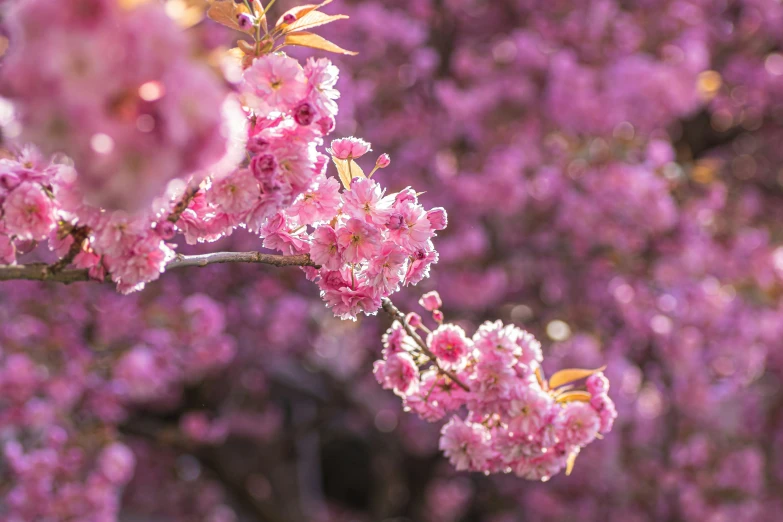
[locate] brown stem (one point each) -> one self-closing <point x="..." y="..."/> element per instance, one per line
<point x="393" y="311"/>
<point x="42" y="272"/>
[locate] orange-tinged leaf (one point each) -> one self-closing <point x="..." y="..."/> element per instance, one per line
<point x="226" y="12"/>
<point x="299" y="11"/>
<point x="570" y="375"/>
<point x="312" y="19"/>
<point x="347" y="170"/>
<point x="576" y="395"/>
<point x="305" y="39"/>
<point x="570" y="462"/>
<point x="540" y="377"/>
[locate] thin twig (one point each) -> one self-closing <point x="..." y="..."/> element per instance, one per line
<point x="41" y="271"/>
<point x="393" y="311"/>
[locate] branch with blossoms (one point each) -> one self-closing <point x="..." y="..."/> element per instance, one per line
<point x="161" y="145"/>
<point x="517" y="421"/>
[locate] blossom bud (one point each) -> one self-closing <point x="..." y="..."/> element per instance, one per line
<point x="396" y="221"/>
<point x="165" y="229"/>
<point x="9" y="180"/>
<point x="413" y="319"/>
<point x="256" y="144"/>
<point x="438" y="218"/>
<point x="289" y="19"/>
<point x="304" y="113"/>
<point x="431" y="301"/>
<point x="383" y="161"/>
<point x="245" y="21"/>
<point x="263" y="166"/>
<point x="597" y="384"/>
<point x="437" y="316"/>
<point x="326" y="125"/>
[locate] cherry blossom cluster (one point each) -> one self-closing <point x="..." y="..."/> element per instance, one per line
<point x="515" y="421"/>
<point x="116" y="89"/>
<point x="262" y="170"/>
<point x="366" y="242"/>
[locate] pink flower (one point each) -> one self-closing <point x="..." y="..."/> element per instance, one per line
<point x="580" y="424"/>
<point x="320" y="203"/>
<point x="359" y="240"/>
<point x="409" y="226"/>
<point x="419" y="268"/>
<point x="144" y="263"/>
<point x="365" y="201"/>
<point x="324" y="249"/>
<point x="235" y="193"/>
<point x="449" y="344"/>
<point x="466" y="445"/>
<point x="529" y="409"/>
<point x="597" y="384"/>
<point x="29" y="212"/>
<point x="395" y="339"/>
<point x="386" y="270"/>
<point x="431" y="301"/>
<point x="531" y="348"/>
<point x="116" y="463"/>
<point x="322" y="77"/>
<point x="274" y="82"/>
<point x="494" y="340"/>
<point x="349" y="148"/>
<point x="399" y="373"/>
<point x="437" y="218"/>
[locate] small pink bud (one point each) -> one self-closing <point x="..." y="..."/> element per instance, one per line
<point x="326" y="125"/>
<point x="256" y="144"/>
<point x="304" y="114"/>
<point x="597" y="384"/>
<point x="413" y="319"/>
<point x="438" y="218"/>
<point x="165" y="229"/>
<point x="383" y="161"/>
<point x="263" y="166"/>
<point x="245" y="21"/>
<point x="289" y="19"/>
<point x="431" y="301"/>
<point x="437" y="316"/>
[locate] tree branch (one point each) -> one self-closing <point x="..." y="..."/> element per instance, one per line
<point x="42" y="272"/>
<point x="393" y="311"/>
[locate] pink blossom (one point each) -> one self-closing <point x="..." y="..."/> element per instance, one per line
<point x="29" y="212"/>
<point x="359" y="240"/>
<point x="431" y="301"/>
<point x="466" y="445"/>
<point x="349" y="148"/>
<point x="437" y="218"/>
<point x="322" y="77"/>
<point x="395" y="339"/>
<point x="365" y="201"/>
<point x="580" y="423"/>
<point x="419" y="267"/>
<point x="399" y="373"/>
<point x="324" y="249"/>
<point x="597" y="383"/>
<point x="234" y="193"/>
<point x="320" y="203"/>
<point x="116" y="463"/>
<point x="449" y="344"/>
<point x="409" y="226"/>
<point x="385" y="271"/>
<point x="529" y="409"/>
<point x="274" y="82"/>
